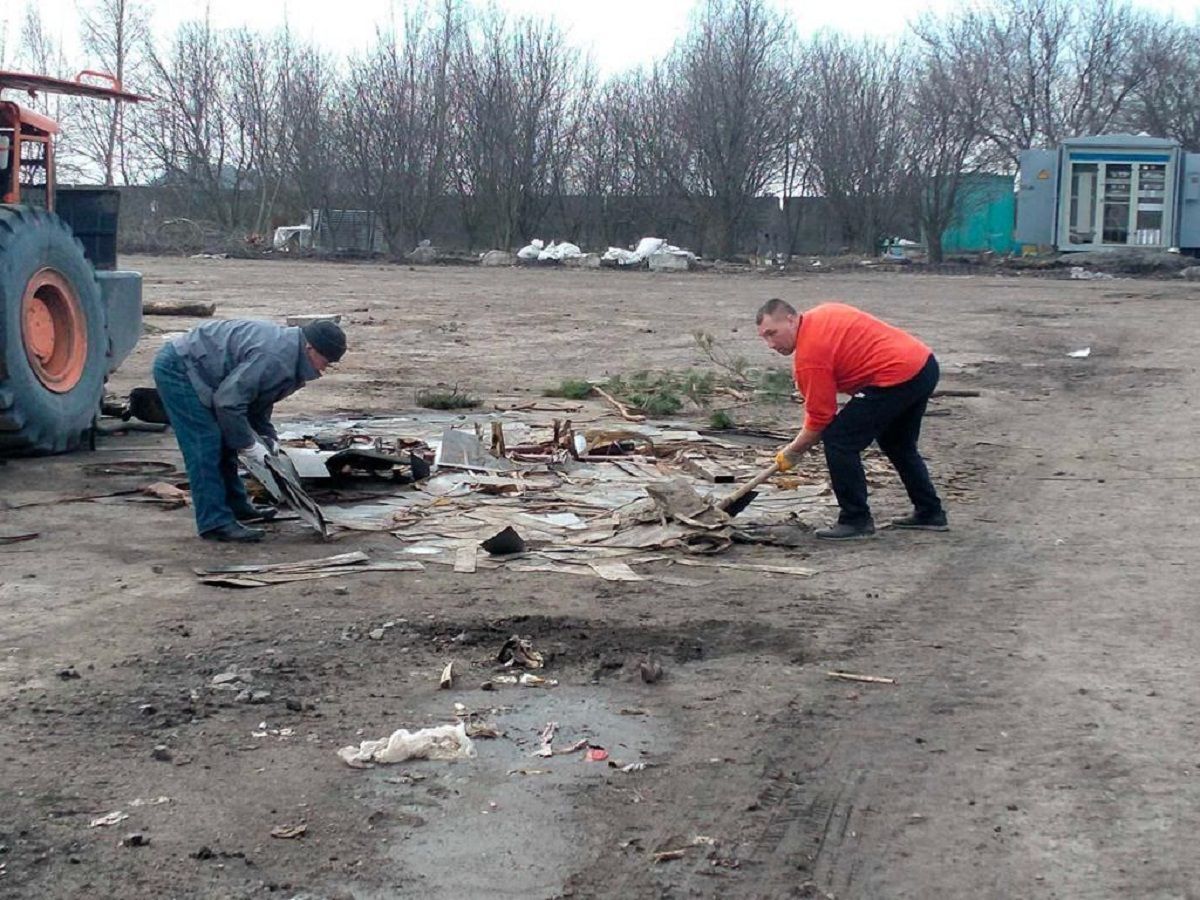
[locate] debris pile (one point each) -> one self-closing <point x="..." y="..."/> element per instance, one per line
<point x="508" y="491"/>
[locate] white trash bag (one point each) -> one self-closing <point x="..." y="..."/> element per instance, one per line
<point x="531" y="250"/>
<point x="443" y="742"/>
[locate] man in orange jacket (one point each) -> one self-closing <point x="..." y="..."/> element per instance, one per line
<point x="889" y="375"/>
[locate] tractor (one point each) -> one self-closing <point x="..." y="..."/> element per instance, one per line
<point x="68" y="317"/>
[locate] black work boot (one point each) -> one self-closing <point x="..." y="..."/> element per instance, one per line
<point x="234" y="533"/>
<point x="916" y="522"/>
<point x="252" y="512"/>
<point x="844" y="531"/>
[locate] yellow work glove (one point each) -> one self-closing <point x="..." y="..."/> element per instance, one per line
<point x="785" y="460"/>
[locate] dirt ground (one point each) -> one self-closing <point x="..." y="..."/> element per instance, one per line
<point x="1040" y="740"/>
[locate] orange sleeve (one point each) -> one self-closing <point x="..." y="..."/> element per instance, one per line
<point x="819" y="390"/>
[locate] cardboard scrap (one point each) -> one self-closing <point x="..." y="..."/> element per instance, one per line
<point x="262" y="574"/>
<point x="18" y="538"/>
<point x="614" y="570"/>
<point x="799" y="571"/>
<point x="466" y="559"/>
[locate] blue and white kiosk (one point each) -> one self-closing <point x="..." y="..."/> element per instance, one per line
<point x="1109" y="191"/>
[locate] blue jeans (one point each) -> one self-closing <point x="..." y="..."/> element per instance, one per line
<point x="892" y="417"/>
<point x="212" y="467"/>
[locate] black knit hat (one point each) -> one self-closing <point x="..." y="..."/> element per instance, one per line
<point x="326" y="338"/>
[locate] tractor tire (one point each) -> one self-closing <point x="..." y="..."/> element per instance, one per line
<point x="53" y="336"/>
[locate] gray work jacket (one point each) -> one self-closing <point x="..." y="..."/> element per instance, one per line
<point x="240" y="369"/>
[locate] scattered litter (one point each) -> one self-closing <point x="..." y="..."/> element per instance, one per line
<point x="1079" y="273"/>
<point x="483" y="730"/>
<point x="111" y="818"/>
<point x="669" y="855"/>
<point x="528" y="771"/>
<point x="650" y="671"/>
<point x="157" y="801"/>
<point x="135" y="839"/>
<point x="699" y="840"/>
<point x="289" y="832"/>
<point x="167" y="493"/>
<point x="546" y="740"/>
<point x="518" y="651"/>
<point x="628" y="767"/>
<point x="530" y="680"/>
<point x="447" y="679"/>
<point x="596" y="754"/>
<point x="1080" y="354"/>
<point x="869" y="679"/>
<point x="442" y="742"/>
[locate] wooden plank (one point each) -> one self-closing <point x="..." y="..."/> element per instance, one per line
<point x="199" y="309"/>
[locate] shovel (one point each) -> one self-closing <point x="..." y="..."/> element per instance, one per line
<point x="740" y="499"/>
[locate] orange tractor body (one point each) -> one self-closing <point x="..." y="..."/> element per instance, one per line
<point x="68" y="317"/>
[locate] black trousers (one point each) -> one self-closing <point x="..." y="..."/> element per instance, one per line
<point x="892" y="417"/>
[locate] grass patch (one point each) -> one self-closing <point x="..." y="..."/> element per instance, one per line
<point x="720" y="420"/>
<point x="774" y="385"/>
<point x="446" y="398"/>
<point x="570" y="389"/>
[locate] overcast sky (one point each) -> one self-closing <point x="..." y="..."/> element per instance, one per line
<point x="618" y="33"/>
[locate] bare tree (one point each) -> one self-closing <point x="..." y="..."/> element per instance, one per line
<point x="311" y="167"/>
<point x="395" y="120"/>
<point x="733" y="79"/>
<point x="517" y="110"/>
<point x="197" y="146"/>
<point x="114" y="34"/>
<point x="856" y="96"/>
<point x="1060" y="68"/>
<point x="948" y="105"/>
<point x="1165" y="102"/>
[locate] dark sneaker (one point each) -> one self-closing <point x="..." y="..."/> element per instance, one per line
<point x="234" y="533"/>
<point x="843" y="531"/>
<point x="922" y="523"/>
<point x="252" y="512"/>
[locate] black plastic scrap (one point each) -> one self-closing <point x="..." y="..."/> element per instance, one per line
<point x="505" y="543"/>
<point x="342" y="462"/>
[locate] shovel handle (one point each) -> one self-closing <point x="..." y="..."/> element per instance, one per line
<point x="748" y="487"/>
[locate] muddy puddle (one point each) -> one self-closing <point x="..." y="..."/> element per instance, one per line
<point x="452" y="826"/>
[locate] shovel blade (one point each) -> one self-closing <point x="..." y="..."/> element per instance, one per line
<point x="740" y="503"/>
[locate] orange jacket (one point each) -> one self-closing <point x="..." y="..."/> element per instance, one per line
<point x="843" y="349"/>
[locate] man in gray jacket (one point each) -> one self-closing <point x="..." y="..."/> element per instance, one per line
<point x="219" y="384"/>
